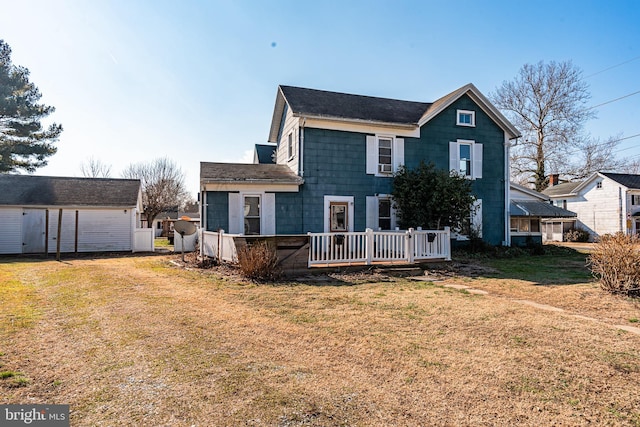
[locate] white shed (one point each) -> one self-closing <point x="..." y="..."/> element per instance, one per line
<point x="98" y="214"/>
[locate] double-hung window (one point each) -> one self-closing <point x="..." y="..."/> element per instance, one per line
<point x="251" y="214"/>
<point x="635" y="199"/>
<point x="290" y="146"/>
<point x="385" y="154"/>
<point x="380" y="212"/>
<point x="465" y="158"/>
<point x="384" y="214"/>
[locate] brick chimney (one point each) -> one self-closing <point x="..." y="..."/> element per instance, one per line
<point x="554" y="179"/>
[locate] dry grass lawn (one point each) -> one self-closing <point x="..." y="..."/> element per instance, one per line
<point x="138" y="341"/>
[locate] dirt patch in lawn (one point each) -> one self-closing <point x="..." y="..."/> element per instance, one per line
<point x="136" y="340"/>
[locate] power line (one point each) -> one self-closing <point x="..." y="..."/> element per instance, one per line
<point x="613" y="66"/>
<point x="614" y="100"/>
<point x="622" y="139"/>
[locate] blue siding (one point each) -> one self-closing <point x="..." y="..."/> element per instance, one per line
<point x="335" y="164"/>
<point x="217" y="210"/>
<point x="288" y="213"/>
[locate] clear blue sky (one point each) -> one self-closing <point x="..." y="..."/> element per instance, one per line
<point x="196" y="80"/>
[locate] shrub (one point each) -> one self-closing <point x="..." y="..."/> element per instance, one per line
<point x="259" y="261"/>
<point x="576" y="235"/>
<point x="615" y="261"/>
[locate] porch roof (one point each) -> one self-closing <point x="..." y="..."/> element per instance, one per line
<point x="538" y="208"/>
<point x="247" y="173"/>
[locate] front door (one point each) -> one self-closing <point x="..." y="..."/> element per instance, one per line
<point x="33" y="233"/>
<point x="338" y="217"/>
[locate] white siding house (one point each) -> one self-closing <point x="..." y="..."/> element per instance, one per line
<point x="605" y="203"/>
<point x="95" y="214"/>
<point x="534" y="219"/>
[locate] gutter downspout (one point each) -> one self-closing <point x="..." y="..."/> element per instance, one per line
<point x="507" y="191"/>
<point x="203" y="217"/>
<point x="301" y="148"/>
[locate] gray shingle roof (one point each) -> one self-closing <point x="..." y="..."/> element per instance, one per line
<point x="30" y="190"/>
<point x="628" y="180"/>
<point x="561" y="189"/>
<point x="322" y="103"/>
<point x="538" y="208"/>
<point x="247" y="172"/>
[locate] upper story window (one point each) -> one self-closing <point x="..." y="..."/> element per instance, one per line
<point x="385" y="154"/>
<point x="290" y="146"/>
<point x="635" y="199"/>
<point x="466" y="118"/>
<point x="385" y="151"/>
<point x="465" y="158"/>
<point x="599" y="184"/>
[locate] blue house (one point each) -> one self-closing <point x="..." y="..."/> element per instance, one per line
<point x="334" y="156"/>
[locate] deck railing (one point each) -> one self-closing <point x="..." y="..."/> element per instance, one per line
<point x="370" y="247"/>
<point x="355" y="248"/>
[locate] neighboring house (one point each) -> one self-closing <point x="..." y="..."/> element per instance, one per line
<point x="336" y="154"/>
<point x="534" y="219"/>
<point x="98" y="214"/>
<point x="605" y="203"/>
<point x="160" y="221"/>
<point x="163" y="223"/>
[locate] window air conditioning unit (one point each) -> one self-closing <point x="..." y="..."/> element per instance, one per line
<point x="384" y="168"/>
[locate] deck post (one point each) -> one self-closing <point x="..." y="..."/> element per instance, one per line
<point x="408" y="247"/>
<point x="370" y="246"/>
<point x="447" y="243"/>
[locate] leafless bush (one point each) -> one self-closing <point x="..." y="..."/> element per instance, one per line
<point x="576" y="235"/>
<point x="259" y="261"/>
<point x="615" y="261"/>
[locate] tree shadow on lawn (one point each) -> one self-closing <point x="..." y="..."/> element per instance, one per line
<point x="556" y="266"/>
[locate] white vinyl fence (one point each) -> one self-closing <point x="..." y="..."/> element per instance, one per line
<point x="143" y="240"/>
<point x="219" y="245"/>
<point x="370" y="247"/>
<point x="190" y="242"/>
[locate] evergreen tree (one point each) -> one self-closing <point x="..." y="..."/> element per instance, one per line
<point x="430" y="198"/>
<point x="24" y="142"/>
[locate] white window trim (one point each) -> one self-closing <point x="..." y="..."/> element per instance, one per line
<point x="372" y="211"/>
<point x="260" y="208"/>
<point x="267" y="212"/>
<point x="290" y="146"/>
<point x="391" y="163"/>
<point x="476" y="222"/>
<point x="476" y="158"/>
<point x="338" y="199"/>
<point x="373" y="153"/>
<point x="471" y="113"/>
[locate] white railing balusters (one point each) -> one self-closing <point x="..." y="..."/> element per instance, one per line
<point x="379" y="246"/>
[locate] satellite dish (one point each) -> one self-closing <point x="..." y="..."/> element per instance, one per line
<point x="185" y="228"/>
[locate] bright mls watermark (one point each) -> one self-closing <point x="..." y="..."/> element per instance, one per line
<point x="34" y="415"/>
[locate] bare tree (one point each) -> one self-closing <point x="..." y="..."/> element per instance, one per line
<point x="547" y="103"/>
<point x="95" y="168"/>
<point x="595" y="155"/>
<point x="162" y="186"/>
